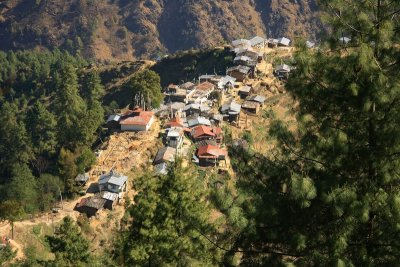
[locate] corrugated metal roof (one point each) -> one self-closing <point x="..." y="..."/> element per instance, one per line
<point x="210" y="151"/>
<point x="233" y="106"/>
<point x="105" y="178"/>
<point x="241" y="42"/>
<point x="202" y="130"/>
<point x="119" y="181"/>
<point x="95" y="202"/>
<point x="199" y="121"/>
<point x="284" y="41"/>
<point x="175" y="132"/>
<point x="205" y="86"/>
<point x="256" y="40"/>
<point x="109" y="196"/>
<point x="256" y="98"/>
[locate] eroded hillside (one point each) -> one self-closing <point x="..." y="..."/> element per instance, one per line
<point x="123" y="30"/>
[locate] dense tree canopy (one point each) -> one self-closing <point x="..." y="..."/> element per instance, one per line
<point x="170" y="222"/>
<point x="146" y="89"/>
<point x="48" y="106"/>
<point x="69" y="246"/>
<point x="330" y="196"/>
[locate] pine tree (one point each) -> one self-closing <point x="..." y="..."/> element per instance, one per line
<point x="23" y="188"/>
<point x="146" y="89"/>
<point x="331" y="195"/>
<point x="41" y="124"/>
<point x="68" y="170"/>
<point x="11" y="210"/>
<point x="171" y="223"/>
<point x="42" y="127"/>
<point x="14" y="142"/>
<point x="70" y="108"/>
<point x="93" y="91"/>
<point x="69" y="246"/>
<point x="50" y="187"/>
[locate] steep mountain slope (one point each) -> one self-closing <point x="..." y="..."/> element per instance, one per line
<point x="126" y="29"/>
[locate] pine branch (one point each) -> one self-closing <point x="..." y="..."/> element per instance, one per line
<point x="386" y="17"/>
<point x="248" y="251"/>
<point x="341" y="19"/>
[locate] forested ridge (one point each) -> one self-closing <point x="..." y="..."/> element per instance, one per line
<point x="50" y="112"/>
<point x="326" y="194"/>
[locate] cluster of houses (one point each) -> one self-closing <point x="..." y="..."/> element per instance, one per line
<point x="191" y="111"/>
<point x="201" y="130"/>
<point x="191" y="108"/>
<point x="110" y="189"/>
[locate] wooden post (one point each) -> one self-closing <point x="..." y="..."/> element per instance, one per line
<point x="12" y="229"/>
<point x="62" y="204"/>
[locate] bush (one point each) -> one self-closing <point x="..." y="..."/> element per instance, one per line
<point x="248" y="137"/>
<point x="86" y="160"/>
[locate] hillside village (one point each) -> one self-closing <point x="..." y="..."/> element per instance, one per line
<point x="175" y="133"/>
<point x="190" y="124"/>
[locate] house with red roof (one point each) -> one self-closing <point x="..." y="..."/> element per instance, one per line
<point x="175" y="122"/>
<point x="137" y="120"/>
<point x="210" y="155"/>
<point x="203" y="132"/>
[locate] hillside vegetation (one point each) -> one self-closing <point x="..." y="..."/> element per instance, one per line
<point x="123" y="30"/>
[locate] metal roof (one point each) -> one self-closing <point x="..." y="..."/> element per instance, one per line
<point x="240" y="42"/>
<point x="202" y="130"/>
<point x="233" y="106"/>
<point x="114" y="117"/>
<point x="245" y="89"/>
<point x="240" y="68"/>
<point x="109" y="195"/>
<point x="256" y="40"/>
<point x="283" y="67"/>
<point x="187" y="85"/>
<point x="250" y="104"/>
<point x="199" y="121"/>
<point x="95" y="202"/>
<point x="106" y="178"/>
<point x="310" y="44"/>
<point x="207" y="76"/>
<point x="256" y="98"/>
<point x="120" y="181"/>
<point x="210" y="151"/>
<point x="82" y="177"/>
<point x="284" y="41"/>
<point x="242" y="58"/>
<point x="175" y="132"/>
